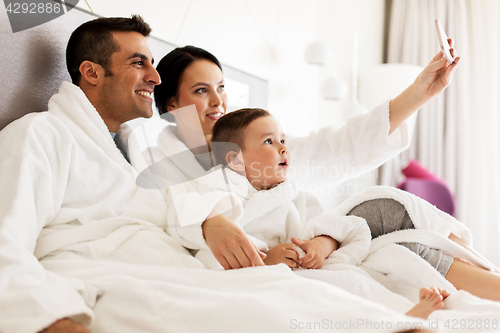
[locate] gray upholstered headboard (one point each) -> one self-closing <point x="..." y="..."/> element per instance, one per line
<point x="33" y="65"/>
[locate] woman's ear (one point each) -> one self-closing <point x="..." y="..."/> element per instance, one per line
<point x="235" y="161"/>
<point x="90" y="72"/>
<point x="171" y="105"/>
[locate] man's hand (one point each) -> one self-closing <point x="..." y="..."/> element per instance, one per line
<point x="316" y="249"/>
<point x="283" y="253"/>
<point x="65" y="326"/>
<point x="229" y="244"/>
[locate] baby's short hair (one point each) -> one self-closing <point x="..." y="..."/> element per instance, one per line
<point x="229" y="129"/>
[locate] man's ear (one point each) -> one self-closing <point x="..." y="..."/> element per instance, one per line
<point x="91" y="72"/>
<point x="235" y="161"/>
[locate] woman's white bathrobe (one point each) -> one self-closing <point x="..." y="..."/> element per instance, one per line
<point x="360" y="146"/>
<point x="79" y="239"/>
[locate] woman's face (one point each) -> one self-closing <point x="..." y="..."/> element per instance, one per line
<point x="202" y="84"/>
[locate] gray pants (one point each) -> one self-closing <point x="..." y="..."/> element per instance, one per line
<point x="387" y="215"/>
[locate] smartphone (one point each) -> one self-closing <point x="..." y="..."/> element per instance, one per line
<point x="443" y="42"/>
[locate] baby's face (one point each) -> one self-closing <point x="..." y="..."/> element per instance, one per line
<point x="265" y="155"/>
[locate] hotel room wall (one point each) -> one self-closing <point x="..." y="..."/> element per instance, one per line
<point x="267" y="38"/>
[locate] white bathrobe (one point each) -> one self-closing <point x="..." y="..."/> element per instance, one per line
<point x="79" y="239"/>
<point x="380" y="270"/>
<point x="66" y="192"/>
<point x="362" y="145"/>
<point x="274" y="216"/>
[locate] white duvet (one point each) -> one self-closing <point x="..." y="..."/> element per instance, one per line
<point x="380" y="270"/>
<point x="397" y="290"/>
<point x="79" y="239"/>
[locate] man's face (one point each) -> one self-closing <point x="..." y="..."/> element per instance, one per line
<point x="126" y="94"/>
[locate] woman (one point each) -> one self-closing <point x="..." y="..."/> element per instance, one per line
<point x="193" y="76"/>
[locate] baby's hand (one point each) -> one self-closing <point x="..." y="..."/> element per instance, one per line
<point x="283" y="253"/>
<point x="316" y="249"/>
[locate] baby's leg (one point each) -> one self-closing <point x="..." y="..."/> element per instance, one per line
<point x="431" y="299"/>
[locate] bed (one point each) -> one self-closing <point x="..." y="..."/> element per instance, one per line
<point x="134" y="298"/>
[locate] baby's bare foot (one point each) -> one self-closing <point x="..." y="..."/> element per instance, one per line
<point x="445" y="293"/>
<point x="431" y="299"/>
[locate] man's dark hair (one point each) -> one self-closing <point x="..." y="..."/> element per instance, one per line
<point x="229" y="128"/>
<point x="94" y="41"/>
<point x="171" y="68"/>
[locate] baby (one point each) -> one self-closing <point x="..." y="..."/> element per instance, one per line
<point x="286" y="219"/>
<point x="264" y="161"/>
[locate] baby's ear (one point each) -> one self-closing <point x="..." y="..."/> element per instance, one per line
<point x="235" y="161"/>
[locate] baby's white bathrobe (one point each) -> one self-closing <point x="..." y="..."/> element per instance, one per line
<point x="273" y="217"/>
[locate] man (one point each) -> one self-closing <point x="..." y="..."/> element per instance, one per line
<point x="63" y="172"/>
<point x="118" y="81"/>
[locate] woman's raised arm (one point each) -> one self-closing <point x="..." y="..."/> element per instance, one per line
<point x="435" y="77"/>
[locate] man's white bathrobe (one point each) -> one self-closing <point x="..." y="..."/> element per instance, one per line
<point x="67" y="193"/>
<point x="79" y="239"/>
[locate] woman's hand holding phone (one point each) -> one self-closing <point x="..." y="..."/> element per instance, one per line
<point x="444" y="43"/>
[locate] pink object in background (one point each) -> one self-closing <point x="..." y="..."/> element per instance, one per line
<point x="428" y="186"/>
<point x="415" y="170"/>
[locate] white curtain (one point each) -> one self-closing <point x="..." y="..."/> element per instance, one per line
<point x="458" y="133"/>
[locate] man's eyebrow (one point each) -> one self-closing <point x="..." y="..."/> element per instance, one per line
<point x="140" y="56"/>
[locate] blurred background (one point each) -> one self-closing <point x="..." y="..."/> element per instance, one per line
<point x="327" y="60"/>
